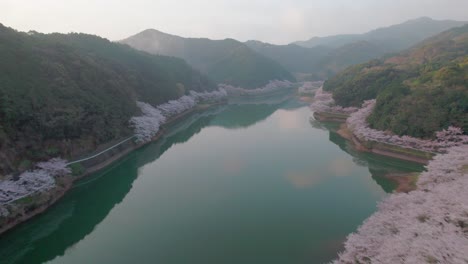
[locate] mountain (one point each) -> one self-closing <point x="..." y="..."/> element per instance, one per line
<point x="340" y="58"/>
<point x="392" y="38"/>
<point x="293" y="57"/>
<point x="329" y="41"/>
<point x="63" y="95"/>
<point x="225" y="61"/>
<point x="319" y="62"/>
<point x="419" y="91"/>
<point x="321" y="58"/>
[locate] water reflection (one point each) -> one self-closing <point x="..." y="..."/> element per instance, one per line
<point x="303" y="179"/>
<point x="379" y="166"/>
<point x="245" y="113"/>
<point x="82" y="209"/>
<point x="50" y="234"/>
<point x="278" y="211"/>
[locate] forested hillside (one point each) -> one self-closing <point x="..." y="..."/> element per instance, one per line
<point x="322" y="57"/>
<point x="65" y="94"/>
<point x="419" y="91"/>
<point x="225" y="61"/>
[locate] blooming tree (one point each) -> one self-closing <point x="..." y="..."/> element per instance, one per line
<point x="30" y="182"/>
<point x="148" y="125"/>
<point x="447" y="138"/>
<point x="55" y="167"/>
<point x="272" y="86"/>
<point x="310" y="87"/>
<point x="324" y="102"/>
<point x="429" y="225"/>
<point x="213" y="96"/>
<point x="175" y="107"/>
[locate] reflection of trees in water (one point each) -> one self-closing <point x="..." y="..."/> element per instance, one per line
<point x="69" y="221"/>
<point x="80" y="211"/>
<point x="248" y="114"/>
<point x="328" y="126"/>
<point x="379" y="166"/>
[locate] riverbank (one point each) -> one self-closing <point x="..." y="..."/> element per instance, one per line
<point x="427" y="225"/>
<point x="26" y="208"/>
<point x="379" y="148"/>
<point x="385" y="149"/>
<point x="404" y="182"/>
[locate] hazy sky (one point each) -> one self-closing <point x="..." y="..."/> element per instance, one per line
<point x="267" y="20"/>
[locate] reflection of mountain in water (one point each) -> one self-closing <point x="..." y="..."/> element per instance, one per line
<point x="255" y="110"/>
<point x="379" y="166"/>
<point x="81" y="210"/>
<point x="77" y="214"/>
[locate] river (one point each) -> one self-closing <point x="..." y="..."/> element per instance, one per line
<point x="251" y="182"/>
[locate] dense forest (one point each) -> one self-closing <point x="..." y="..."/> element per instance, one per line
<point x="225" y="61"/>
<point x="66" y="94"/>
<point x="418" y="91"/>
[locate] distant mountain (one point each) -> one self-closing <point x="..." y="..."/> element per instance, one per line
<point x="321" y="58"/>
<point x="63" y="95"/>
<point x="392" y="38"/>
<point x="340" y="58"/>
<point x="225" y="61"/>
<point x="419" y="91"/>
<point x="293" y="57"/>
<point x="330" y="41"/>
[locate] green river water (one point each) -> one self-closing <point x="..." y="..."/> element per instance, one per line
<point x="257" y="182"/>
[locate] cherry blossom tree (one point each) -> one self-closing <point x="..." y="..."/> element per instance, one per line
<point x="55" y="167"/>
<point x="214" y="96"/>
<point x="429" y="225"/>
<point x="310" y="87"/>
<point x="272" y="86"/>
<point x="40" y="179"/>
<point x="447" y="138"/>
<point x="323" y="102"/>
<point x="147" y="125"/>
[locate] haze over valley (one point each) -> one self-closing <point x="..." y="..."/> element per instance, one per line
<point x="235" y="131"/>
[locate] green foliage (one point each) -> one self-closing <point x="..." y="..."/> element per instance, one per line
<point x="24" y="164"/>
<point x="61" y="92"/>
<point x="225" y="61"/>
<point x="247" y="69"/>
<point x="77" y="169"/>
<point x="420" y="91"/>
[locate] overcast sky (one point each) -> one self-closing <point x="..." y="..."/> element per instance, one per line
<point x="267" y="20"/>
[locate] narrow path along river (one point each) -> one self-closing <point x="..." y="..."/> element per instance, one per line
<point x="256" y="182"/>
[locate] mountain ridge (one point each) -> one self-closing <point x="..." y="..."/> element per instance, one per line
<point x="207" y="55"/>
<point x="419" y="91"/>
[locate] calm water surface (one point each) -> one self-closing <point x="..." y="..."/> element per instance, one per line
<point x="246" y="183"/>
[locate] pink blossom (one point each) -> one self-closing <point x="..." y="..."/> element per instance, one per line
<point x="446" y="138"/>
<point x="39" y="180"/>
<point x="428" y="225"/>
<point x="56" y="167"/>
<point x="272" y="86"/>
<point x="323" y="102"/>
<point x="148" y="125"/>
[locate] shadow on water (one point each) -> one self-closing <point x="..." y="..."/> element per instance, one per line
<point x="379" y="166"/>
<point x="91" y="200"/>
